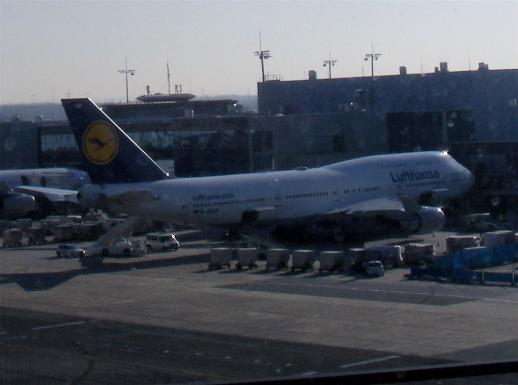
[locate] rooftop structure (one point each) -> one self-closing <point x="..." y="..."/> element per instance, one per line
<point x="488" y="97"/>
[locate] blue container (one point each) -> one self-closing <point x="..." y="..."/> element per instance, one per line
<point x="477" y="257"/>
<point x="503" y="254"/>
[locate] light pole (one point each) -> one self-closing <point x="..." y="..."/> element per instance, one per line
<point x="262" y="54"/>
<point x="329" y="63"/>
<point x="372" y="56"/>
<point x="126" y="71"/>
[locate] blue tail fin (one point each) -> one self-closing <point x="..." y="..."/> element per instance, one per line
<point x="110" y="156"/>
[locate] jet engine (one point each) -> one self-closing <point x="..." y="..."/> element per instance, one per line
<point x="425" y="220"/>
<point x="14" y="205"/>
<point x="91" y="197"/>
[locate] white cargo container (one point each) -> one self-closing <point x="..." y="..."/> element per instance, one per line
<point x="63" y="233"/>
<point x="219" y="257"/>
<point x="417" y="253"/>
<point x="353" y="257"/>
<point x="24" y="223"/>
<point x="277" y="258"/>
<point x="246" y="257"/>
<point x="36" y="236"/>
<point x="496" y="238"/>
<point x="459" y="242"/>
<point x="12" y="237"/>
<point x="330" y="260"/>
<point x="389" y="255"/>
<point x="302" y="259"/>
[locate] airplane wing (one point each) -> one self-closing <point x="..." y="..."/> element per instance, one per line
<point x="372" y="207"/>
<point x="433" y="197"/>
<point x="132" y="196"/>
<point x="263" y="214"/>
<point x="52" y="194"/>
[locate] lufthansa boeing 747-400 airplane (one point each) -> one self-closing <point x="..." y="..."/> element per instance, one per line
<point x="125" y="179"/>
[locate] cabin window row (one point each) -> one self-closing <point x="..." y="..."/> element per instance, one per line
<point x="307" y="195"/>
<point x="228" y="203"/>
<point x="364" y="189"/>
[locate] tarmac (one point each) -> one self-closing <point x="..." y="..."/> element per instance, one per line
<point x="165" y="318"/>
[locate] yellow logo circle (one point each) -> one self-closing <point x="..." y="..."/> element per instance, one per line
<point x="100" y="143"/>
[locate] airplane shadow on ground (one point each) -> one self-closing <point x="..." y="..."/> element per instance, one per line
<point x="48" y="280"/>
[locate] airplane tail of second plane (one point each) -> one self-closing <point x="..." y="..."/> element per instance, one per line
<point x="109" y="154"/>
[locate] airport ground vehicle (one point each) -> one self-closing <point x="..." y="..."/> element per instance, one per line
<point x="69" y="251"/>
<point x="161" y="241"/>
<point x="374" y="268"/>
<point x="123" y="247"/>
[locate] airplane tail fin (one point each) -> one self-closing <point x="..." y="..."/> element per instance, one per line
<point x="109" y="154"/>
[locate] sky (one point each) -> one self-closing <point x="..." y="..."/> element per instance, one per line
<point x="55" y="49"/>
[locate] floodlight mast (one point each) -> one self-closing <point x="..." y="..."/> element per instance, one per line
<point x="329" y="63"/>
<point x="262" y="54"/>
<point x="168" y="79"/>
<point x="372" y="56"/>
<point x="126" y="71"/>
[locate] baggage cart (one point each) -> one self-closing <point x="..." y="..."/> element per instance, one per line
<point x="63" y="233"/>
<point x="419" y="253"/>
<point x="219" y="257"/>
<point x="355" y="255"/>
<point x="330" y="261"/>
<point x="246" y="257"/>
<point x="36" y="235"/>
<point x="277" y="258"/>
<point x="389" y="255"/>
<point x="302" y="259"/>
<point x="459" y="242"/>
<point x="23" y="223"/>
<point x="497" y="238"/>
<point x="13" y="237"/>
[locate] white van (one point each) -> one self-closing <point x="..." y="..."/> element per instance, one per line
<point x="374" y="268"/>
<point x="161" y="241"/>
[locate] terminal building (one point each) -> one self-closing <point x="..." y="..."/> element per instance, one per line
<point x="312" y="122"/>
<point x="472" y="114"/>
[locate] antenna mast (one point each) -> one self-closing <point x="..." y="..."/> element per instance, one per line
<point x="262" y="55"/>
<point x="168" y="79"/>
<point x="127" y="71"/>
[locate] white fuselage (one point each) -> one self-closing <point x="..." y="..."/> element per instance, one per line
<point x="293" y="195"/>
<point x="64" y="178"/>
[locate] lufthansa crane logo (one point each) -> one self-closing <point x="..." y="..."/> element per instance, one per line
<point x="100" y="143"/>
